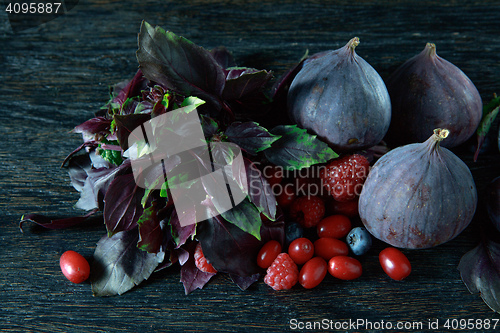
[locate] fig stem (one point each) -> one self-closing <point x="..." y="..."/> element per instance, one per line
<point x="353" y="43"/>
<point x="440" y="134"/>
<point x="430" y="49"/>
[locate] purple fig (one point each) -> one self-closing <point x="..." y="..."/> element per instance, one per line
<point x="341" y="98"/>
<point x="418" y="195"/>
<point x="429" y="92"/>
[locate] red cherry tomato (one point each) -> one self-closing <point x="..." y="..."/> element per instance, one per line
<point x="334" y="226"/>
<point x="328" y="248"/>
<point x="74" y="266"/>
<point x="301" y="250"/>
<point x="345" y="268"/>
<point x="394" y="263"/>
<point x="313" y="272"/>
<point x="268" y="253"/>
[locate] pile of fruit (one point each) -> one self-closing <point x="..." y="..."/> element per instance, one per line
<point x="332" y="243"/>
<point x="371" y="150"/>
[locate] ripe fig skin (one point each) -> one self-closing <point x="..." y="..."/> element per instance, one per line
<point x="418" y="196"/>
<point x="429" y="92"/>
<point x="341" y="98"/>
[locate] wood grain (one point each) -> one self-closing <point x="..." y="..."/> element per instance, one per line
<point x="57" y="75"/>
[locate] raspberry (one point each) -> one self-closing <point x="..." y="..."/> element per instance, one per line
<point x="201" y="262"/>
<point x="283" y="273"/>
<point x="307" y="210"/>
<point x="344" y="177"/>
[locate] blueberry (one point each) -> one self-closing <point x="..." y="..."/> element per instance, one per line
<point x="293" y="231"/>
<point x="359" y="240"/>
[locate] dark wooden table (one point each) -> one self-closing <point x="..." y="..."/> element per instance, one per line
<point x="56" y="75"/>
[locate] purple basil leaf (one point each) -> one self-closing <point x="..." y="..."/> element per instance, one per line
<point x="274" y="229"/>
<point x="242" y="82"/>
<point x="231" y="250"/>
<point x="223" y="57"/>
<point x="78" y="168"/>
<point x="129" y="89"/>
<point x="209" y="126"/>
<point x="181" y="234"/>
<point x="119" y="264"/>
<point x="87" y="144"/>
<point x="97" y="125"/>
<point x="246" y="216"/>
<point x="180" y="65"/>
<point x="154" y="175"/>
<point x="250" y="137"/>
<point x="98" y="161"/>
<point x="191" y="277"/>
<point x="236" y="72"/>
<point x="182" y="255"/>
<point x="490" y="112"/>
<point x="245" y="281"/>
<point x="172" y="255"/>
<point x="125" y="124"/>
<point x="150" y="231"/>
<point x="259" y="190"/>
<point x="131" y="106"/>
<point x="278" y="94"/>
<point x="96" y="185"/>
<point x="480" y="271"/>
<point x="50" y="223"/>
<point x="297" y="149"/>
<point x="279" y="90"/>
<point x="122" y="204"/>
<point x="255" y="106"/>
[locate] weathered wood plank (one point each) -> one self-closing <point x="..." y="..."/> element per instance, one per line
<point x="55" y="76"/>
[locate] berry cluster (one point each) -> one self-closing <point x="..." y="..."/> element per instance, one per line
<point x="327" y="253"/>
<point x="320" y="237"/>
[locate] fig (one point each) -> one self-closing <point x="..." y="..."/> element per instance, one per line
<point x="418" y="195"/>
<point x="429" y="92"/>
<point x="338" y="96"/>
<point x="493" y="201"/>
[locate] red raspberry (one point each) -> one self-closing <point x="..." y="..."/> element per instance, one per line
<point x="201" y="262"/>
<point x="307" y="210"/>
<point x="343" y="178"/>
<point x="283" y="273"/>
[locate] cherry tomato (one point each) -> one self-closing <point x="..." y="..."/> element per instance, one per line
<point x="334" y="226"/>
<point x="327" y="248"/>
<point x="313" y="272"/>
<point x="74" y="266"/>
<point x="301" y="250"/>
<point x="268" y="253"/>
<point x="345" y="268"/>
<point x="394" y="263"/>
